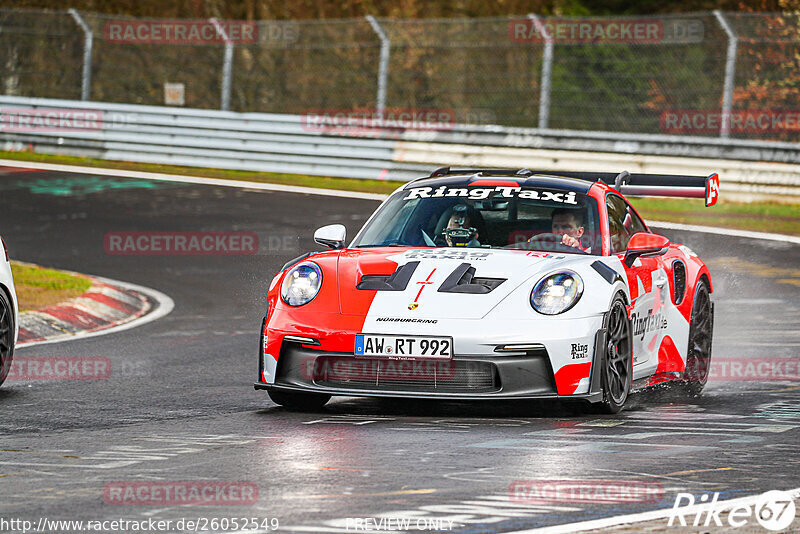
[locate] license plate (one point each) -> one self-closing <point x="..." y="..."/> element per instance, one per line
<point x="408" y="347"/>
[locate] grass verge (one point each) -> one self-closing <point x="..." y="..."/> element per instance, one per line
<point x="757" y="216"/>
<point x="38" y="287"/>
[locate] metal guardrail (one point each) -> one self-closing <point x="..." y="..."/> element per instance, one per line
<point x="285" y="143"/>
<point x="206" y="138"/>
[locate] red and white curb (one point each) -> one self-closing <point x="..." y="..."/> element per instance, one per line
<point x="107" y="306"/>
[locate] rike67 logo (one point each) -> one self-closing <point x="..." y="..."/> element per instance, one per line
<point x="773" y="510"/>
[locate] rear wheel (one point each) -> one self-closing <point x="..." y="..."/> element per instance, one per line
<point x="292" y="400"/>
<point x="6" y="335"/>
<point x="698" y="357"/>
<point x="618" y="365"/>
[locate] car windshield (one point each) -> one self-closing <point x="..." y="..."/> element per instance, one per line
<point x="528" y="218"/>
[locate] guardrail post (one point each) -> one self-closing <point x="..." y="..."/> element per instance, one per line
<point x="383" y="67"/>
<point x="227" y="67"/>
<point x="730" y="73"/>
<point x="547" y="73"/>
<point x="88" y="42"/>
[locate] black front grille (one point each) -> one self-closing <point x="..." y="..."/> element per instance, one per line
<point x="447" y="376"/>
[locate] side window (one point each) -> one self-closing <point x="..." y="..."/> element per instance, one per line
<point x="632" y="223"/>
<point x="622" y="223"/>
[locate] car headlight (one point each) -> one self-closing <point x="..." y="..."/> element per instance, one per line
<point x="556" y="293"/>
<point x="301" y="284"/>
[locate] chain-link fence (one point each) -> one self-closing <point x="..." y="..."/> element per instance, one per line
<point x="709" y="74"/>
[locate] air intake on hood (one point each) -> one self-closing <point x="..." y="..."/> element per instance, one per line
<point x="463" y="280"/>
<point x="397" y="281"/>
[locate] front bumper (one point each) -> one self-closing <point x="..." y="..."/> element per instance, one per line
<point x="521" y="375"/>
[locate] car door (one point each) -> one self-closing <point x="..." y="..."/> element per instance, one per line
<point x="648" y="284"/>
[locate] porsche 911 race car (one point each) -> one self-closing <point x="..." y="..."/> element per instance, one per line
<point x="8" y="314"/>
<point x="494" y="284"/>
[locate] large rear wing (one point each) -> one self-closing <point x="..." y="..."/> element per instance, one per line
<point x="663" y="185"/>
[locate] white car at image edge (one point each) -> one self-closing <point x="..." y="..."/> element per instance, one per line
<point x="9" y="330"/>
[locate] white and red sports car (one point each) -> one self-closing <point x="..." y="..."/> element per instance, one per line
<point x="494" y="284"/>
<point x="8" y="313"/>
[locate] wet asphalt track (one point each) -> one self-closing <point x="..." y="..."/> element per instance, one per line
<point x="180" y="405"/>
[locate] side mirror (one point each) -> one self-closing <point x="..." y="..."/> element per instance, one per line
<point x="644" y="244"/>
<point x="331" y="236"/>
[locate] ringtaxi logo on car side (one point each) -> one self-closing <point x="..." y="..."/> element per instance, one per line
<point x="579" y="350"/>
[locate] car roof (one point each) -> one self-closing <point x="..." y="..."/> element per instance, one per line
<point x="490" y="179"/>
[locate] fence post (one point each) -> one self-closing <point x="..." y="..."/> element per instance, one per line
<point x="547" y="73"/>
<point x="227" y="67"/>
<point x="730" y="72"/>
<point x="88" y="42"/>
<point x="383" y="67"/>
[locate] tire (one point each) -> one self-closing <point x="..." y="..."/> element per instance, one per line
<point x="701" y="330"/>
<point x="617" y="371"/>
<point x="6" y="335"/>
<point x="298" y="401"/>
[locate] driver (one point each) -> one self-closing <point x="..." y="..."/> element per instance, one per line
<point x="568" y="223"/>
<point x="459" y="231"/>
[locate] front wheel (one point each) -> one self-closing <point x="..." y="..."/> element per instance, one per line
<point x="617" y="369"/>
<point x="292" y="400"/>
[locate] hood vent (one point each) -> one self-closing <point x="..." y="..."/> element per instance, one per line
<point x="463" y="280"/>
<point x="397" y="281"/>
